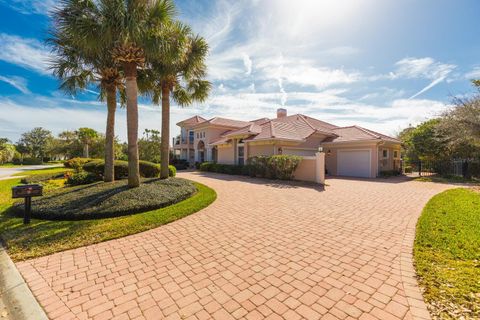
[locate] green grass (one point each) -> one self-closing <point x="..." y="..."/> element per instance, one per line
<point x="42" y="171"/>
<point x="447" y="254"/>
<point x="43" y="237"/>
<point x="9" y="165"/>
<point x="448" y="179"/>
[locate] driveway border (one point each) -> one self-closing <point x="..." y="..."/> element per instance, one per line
<point x="14" y="292"/>
<point x="418" y="308"/>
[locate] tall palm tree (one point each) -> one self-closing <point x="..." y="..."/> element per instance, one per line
<point x="78" y="67"/>
<point x="127" y="30"/>
<point x="180" y="76"/>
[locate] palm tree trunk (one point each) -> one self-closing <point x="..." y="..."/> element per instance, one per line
<point x="132" y="124"/>
<point x="109" y="174"/>
<point x="165" y="147"/>
<point x="85" y="151"/>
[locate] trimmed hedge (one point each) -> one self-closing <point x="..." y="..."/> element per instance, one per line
<point x="271" y="167"/>
<point x="82" y="177"/>
<point x="106" y="200"/>
<point x="77" y="163"/>
<point x="41" y="177"/>
<point x="147" y="169"/>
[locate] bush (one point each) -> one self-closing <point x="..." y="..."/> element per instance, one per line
<point x="408" y="169"/>
<point x="37" y="178"/>
<point x="389" y="173"/>
<point x="179" y="164"/>
<point x="106" y="200"/>
<point x="273" y="167"/>
<point x="81" y="178"/>
<point x="77" y="163"/>
<point x="27" y="161"/>
<point x="147" y="169"/>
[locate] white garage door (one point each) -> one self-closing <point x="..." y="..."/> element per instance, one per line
<point x="354" y="163"/>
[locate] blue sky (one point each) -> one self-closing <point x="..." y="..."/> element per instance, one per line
<point x="379" y="64"/>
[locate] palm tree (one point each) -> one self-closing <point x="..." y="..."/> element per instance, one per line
<point x="86" y="136"/>
<point x="78" y="67"/>
<point x="179" y="76"/>
<point x="128" y="32"/>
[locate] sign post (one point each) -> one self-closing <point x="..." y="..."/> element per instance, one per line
<point x="27" y="192"/>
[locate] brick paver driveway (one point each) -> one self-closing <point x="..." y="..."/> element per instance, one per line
<point x="262" y="250"/>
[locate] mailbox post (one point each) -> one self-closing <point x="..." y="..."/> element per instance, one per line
<point x="27" y="192"/>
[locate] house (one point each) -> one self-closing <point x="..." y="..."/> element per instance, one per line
<point x="349" y="151"/>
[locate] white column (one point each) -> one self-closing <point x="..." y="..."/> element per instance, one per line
<point x="209" y="154"/>
<point x="196" y="155"/>
<point x="188" y="154"/>
<point x="320" y="167"/>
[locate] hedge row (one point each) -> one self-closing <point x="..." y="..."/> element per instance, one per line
<point x="147" y="169"/>
<point x="271" y="167"/>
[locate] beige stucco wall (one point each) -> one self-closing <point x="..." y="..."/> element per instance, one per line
<point x="260" y="150"/>
<point x="331" y="157"/>
<point x="306" y="170"/>
<point x="389" y="163"/>
<point x="226" y="155"/>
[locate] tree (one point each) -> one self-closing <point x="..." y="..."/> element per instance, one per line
<point x="150" y="145"/>
<point x="86" y="136"/>
<point x="81" y="61"/>
<point x="7" y="151"/>
<point x="423" y="142"/>
<point x="36" y="142"/>
<point x="180" y="76"/>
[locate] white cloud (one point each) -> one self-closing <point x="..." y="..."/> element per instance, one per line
<point x="30" y="6"/>
<point x="423" y="68"/>
<point x="473" y="74"/>
<point x="27" y="53"/>
<point x="247" y="62"/>
<point x="17" y="82"/>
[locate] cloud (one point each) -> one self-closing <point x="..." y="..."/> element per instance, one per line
<point x="27" y="53"/>
<point x="247" y="62"/>
<point x="16" y="82"/>
<point x="423" y="68"/>
<point x="473" y="74"/>
<point x="30" y="6"/>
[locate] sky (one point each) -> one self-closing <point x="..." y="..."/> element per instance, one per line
<point x="382" y="65"/>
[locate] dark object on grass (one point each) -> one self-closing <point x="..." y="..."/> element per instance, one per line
<point x="106" y="200"/>
<point x="27" y="192"/>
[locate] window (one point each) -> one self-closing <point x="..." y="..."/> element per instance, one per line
<point x="395" y="154"/>
<point x="190" y="136"/>
<point x="240" y="153"/>
<point x="385" y="154"/>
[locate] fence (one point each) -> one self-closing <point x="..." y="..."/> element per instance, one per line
<point x="466" y="168"/>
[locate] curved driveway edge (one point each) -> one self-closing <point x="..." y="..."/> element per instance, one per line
<point x="15" y="296"/>
<point x="262" y="250"/>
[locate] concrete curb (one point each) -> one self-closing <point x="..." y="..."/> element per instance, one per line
<point x="15" y="294"/>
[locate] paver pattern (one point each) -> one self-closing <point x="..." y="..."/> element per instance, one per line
<point x="263" y="250"/>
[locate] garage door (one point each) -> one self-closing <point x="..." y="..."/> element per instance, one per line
<point x="354" y="163"/>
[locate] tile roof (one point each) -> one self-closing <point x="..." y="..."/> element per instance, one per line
<point x="192" y="121"/>
<point x="296" y="127"/>
<point x="357" y="133"/>
<point x="224" y="122"/>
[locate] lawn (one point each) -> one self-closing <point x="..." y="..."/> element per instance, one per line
<point x="43" y="237"/>
<point x="447" y="254"/>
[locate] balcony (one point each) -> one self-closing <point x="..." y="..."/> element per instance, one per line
<point x="182" y="142"/>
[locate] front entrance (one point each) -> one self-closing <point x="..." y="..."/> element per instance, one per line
<point x="201" y="151"/>
<point x="241" y="153"/>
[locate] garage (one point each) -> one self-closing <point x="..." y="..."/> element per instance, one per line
<point x="354" y="163"/>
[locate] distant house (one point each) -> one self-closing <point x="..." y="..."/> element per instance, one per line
<point x="350" y="151"/>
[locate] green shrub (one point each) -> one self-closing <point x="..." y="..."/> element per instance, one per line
<point x="106" y="200"/>
<point x="41" y="177"/>
<point x="179" y="164"/>
<point x="27" y="161"/>
<point x="389" y="173"/>
<point x="408" y="169"/>
<point x="147" y="169"/>
<point x="77" y="163"/>
<point x="82" y="177"/>
<point x="273" y="167"/>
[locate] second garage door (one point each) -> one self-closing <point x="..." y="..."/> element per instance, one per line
<point x="354" y="163"/>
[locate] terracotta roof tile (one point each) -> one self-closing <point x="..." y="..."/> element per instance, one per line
<point x="192" y="121"/>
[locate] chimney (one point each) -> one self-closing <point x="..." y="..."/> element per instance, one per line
<point x="281" y="113"/>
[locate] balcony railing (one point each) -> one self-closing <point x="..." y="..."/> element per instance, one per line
<point x="182" y="140"/>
